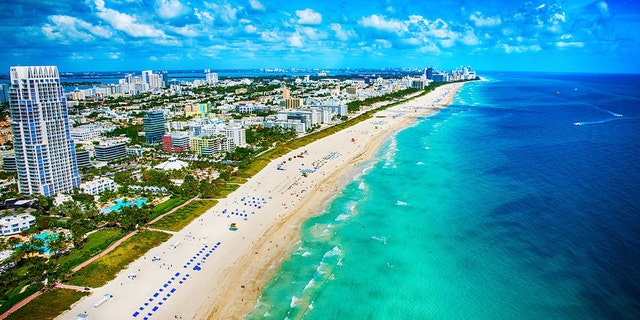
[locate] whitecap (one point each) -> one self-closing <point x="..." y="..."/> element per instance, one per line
<point x="306" y="254"/>
<point x="343" y="217"/>
<point x="294" y="300"/>
<point x="333" y="252"/>
<point x="309" y="284"/>
<point x="419" y="163"/>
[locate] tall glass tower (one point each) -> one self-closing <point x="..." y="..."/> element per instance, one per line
<point x="44" y="150"/>
<point x="154" y="126"/>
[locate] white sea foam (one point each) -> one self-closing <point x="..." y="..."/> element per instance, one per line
<point x="294" y="301"/>
<point x="333" y="252"/>
<point x="306" y="254"/>
<point x="380" y="239"/>
<point x="419" y="163"/>
<point x="309" y="284"/>
<point x="343" y="217"/>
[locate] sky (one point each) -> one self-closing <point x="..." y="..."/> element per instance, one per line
<point x="112" y="35"/>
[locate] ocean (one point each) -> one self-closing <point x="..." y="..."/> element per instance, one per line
<point x="521" y="200"/>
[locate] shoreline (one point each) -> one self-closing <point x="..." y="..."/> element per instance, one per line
<point x="242" y="302"/>
<point x="268" y="209"/>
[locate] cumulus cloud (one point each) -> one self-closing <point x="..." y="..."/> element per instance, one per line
<point x="65" y="28"/>
<point x="224" y="11"/>
<point x="114" y="55"/>
<point x="341" y="33"/>
<point x="250" y="29"/>
<point x="128" y="24"/>
<point x="187" y="31"/>
<point x="381" y="23"/>
<point x="256" y="5"/>
<point x="170" y="9"/>
<point x="308" y="16"/>
<point x="270" y="36"/>
<point x="295" y="40"/>
<point x="521" y="48"/>
<point x="480" y="21"/>
<point x="125" y="23"/>
<point x="575" y="44"/>
<point x="603" y="7"/>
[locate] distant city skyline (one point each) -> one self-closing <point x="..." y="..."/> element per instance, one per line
<point x="104" y="35"/>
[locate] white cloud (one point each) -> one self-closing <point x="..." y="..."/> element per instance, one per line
<point x="480" y="21"/>
<point x="340" y="34"/>
<point x="153" y="58"/>
<point x="574" y="44"/>
<point x="99" y="5"/>
<point x="295" y="40"/>
<point x="125" y="22"/>
<point x="169" y="42"/>
<point x="67" y="28"/>
<point x="128" y="24"/>
<point x="386" y="44"/>
<point x="469" y="38"/>
<point x="256" y="5"/>
<point x="603" y="7"/>
<point x="250" y="29"/>
<point x="77" y="56"/>
<point x="566" y="36"/>
<point x="114" y="55"/>
<point x="520" y="48"/>
<point x="187" y="31"/>
<point x="170" y="9"/>
<point x="205" y="17"/>
<point x="270" y="36"/>
<point x="308" y="16"/>
<point x="313" y="34"/>
<point x="225" y="12"/>
<point x="381" y="23"/>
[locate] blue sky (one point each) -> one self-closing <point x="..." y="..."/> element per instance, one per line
<point x="102" y="35"/>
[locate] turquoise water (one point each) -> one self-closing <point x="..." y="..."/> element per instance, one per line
<point x="498" y="207"/>
<point x="121" y="203"/>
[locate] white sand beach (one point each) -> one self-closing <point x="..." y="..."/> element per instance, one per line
<point x="207" y="271"/>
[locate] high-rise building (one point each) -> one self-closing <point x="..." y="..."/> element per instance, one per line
<point x="45" y="153"/>
<point x="429" y="73"/>
<point x="154" y="126"/>
<point x="212" y="78"/>
<point x="4" y="93"/>
<point x="146" y="76"/>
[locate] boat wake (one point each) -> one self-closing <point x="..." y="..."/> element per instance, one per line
<point x="616" y="115"/>
<point x="585" y="123"/>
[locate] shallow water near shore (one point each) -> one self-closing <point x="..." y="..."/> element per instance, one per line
<point x="518" y="201"/>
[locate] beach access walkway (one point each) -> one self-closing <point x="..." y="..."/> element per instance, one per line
<point x="92" y="259"/>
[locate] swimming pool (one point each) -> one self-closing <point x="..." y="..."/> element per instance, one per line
<point x="46" y="237"/>
<point x="121" y="203"/>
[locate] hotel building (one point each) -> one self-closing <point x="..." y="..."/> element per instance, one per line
<point x="44" y="150"/>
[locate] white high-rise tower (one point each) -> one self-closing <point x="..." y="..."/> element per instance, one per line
<point x="44" y="150"/>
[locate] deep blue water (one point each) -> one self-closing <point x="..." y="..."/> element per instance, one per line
<point x="497" y="207"/>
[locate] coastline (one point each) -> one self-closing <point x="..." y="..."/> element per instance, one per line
<point x="275" y="203"/>
<point x="281" y="239"/>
